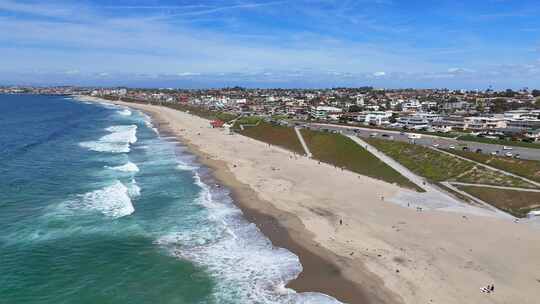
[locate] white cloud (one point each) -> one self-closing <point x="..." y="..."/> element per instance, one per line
<point x="187" y="74"/>
<point x="379" y="74"/>
<point x="460" y="70"/>
<point x="72" y="72"/>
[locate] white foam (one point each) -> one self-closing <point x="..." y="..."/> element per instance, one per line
<point x="185" y="167"/>
<point x="118" y="141"/>
<point x="149" y="124"/>
<point x="247" y="267"/>
<point x="125" y="112"/>
<point x="113" y="201"/>
<point x="128" y="167"/>
<point x="134" y="190"/>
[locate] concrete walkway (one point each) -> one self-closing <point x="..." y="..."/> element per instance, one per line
<point x="434" y="198"/>
<point x="490" y="167"/>
<point x="495" y="187"/>
<point x="303" y="142"/>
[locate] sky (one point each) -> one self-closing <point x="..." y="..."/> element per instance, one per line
<point x="469" y="44"/>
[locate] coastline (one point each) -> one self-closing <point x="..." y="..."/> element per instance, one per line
<point x="383" y="253"/>
<point x="320" y="272"/>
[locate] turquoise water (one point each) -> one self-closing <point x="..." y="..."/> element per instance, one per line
<point x="97" y="207"/>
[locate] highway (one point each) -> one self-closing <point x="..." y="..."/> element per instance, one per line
<point x="429" y="140"/>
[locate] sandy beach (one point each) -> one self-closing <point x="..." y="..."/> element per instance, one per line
<point x="382" y="252"/>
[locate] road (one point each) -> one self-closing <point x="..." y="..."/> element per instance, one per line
<point x="429" y="140"/>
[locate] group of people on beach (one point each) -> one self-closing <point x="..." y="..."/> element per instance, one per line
<point x="488" y="289"/>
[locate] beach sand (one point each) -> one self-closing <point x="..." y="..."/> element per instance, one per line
<point x="383" y="252"/>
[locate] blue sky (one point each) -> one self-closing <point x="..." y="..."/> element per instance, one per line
<point x="303" y="43"/>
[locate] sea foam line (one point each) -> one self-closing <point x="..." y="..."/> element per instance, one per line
<point x="245" y="264"/>
<point x="113" y="200"/>
<point x="127" y="167"/>
<point x="118" y="141"/>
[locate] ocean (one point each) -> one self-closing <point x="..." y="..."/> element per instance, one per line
<point x="97" y="207"/>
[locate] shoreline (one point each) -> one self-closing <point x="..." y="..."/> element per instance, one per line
<point x="382" y="252"/>
<point x="319" y="272"/>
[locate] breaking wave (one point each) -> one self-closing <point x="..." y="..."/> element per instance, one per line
<point x="128" y="167"/>
<point x="113" y="201"/>
<point x="118" y="141"/>
<point x="237" y="254"/>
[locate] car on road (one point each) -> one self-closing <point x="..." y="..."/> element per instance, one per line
<point x="385" y="135"/>
<point x="507" y="148"/>
<point x="373" y="134"/>
<point x="517" y="156"/>
<point x="478" y="150"/>
<point x="452" y="147"/>
<point x="436" y="145"/>
<point x="509" y="154"/>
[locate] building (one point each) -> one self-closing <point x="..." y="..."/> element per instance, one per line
<point x="482" y="123"/>
<point x="374" y="117"/>
<point x="413" y="122"/>
<point x="325" y="112"/>
<point x="523" y="119"/>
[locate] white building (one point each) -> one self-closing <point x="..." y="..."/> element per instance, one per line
<point x="484" y="123"/>
<point x="375" y="117"/>
<point x="325" y="112"/>
<point x="413" y="122"/>
<point x="412" y="105"/>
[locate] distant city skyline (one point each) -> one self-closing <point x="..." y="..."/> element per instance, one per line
<point x="289" y="44"/>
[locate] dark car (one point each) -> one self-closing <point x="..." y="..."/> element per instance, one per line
<point x="478" y="150"/>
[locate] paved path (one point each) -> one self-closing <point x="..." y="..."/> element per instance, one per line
<point x="418" y="180"/>
<point x="433" y="198"/>
<point x="490" y="167"/>
<point x="303" y="142"/>
<point x="495" y="187"/>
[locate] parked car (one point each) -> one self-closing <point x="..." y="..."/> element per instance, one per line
<point x="478" y="150"/>
<point x="465" y="149"/>
<point x="509" y="154"/>
<point x="373" y="135"/>
<point x="436" y="145"/>
<point x="452" y="147"/>
<point x="385" y="135"/>
<point x="517" y="156"/>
